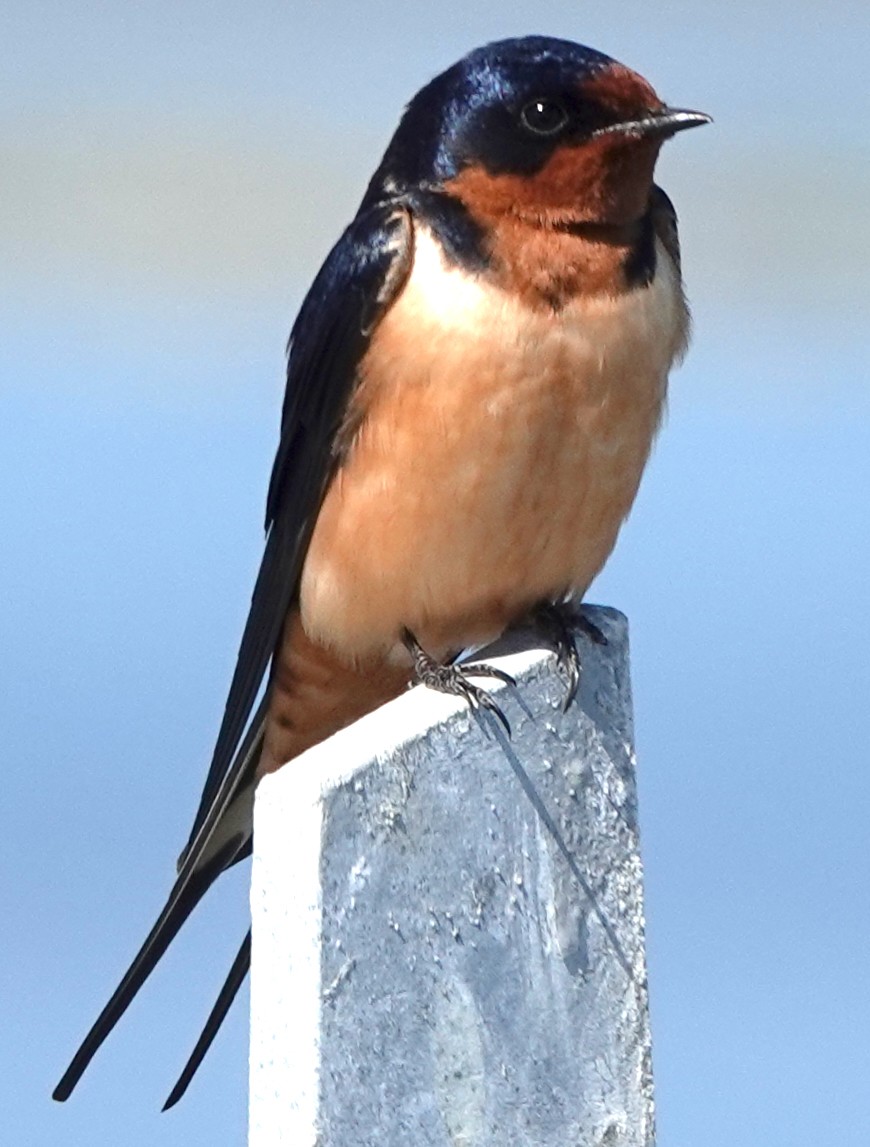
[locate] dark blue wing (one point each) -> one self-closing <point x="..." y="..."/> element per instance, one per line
<point x="356" y="284"/>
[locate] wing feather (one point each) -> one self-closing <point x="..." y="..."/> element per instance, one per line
<point x="358" y="281"/>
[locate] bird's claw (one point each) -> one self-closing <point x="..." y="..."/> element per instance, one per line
<point x="557" y="624"/>
<point x="478" y="669"/>
<point x="454" y="679"/>
<point x="589" y="628"/>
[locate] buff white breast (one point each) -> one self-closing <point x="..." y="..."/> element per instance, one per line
<point x="500" y="449"/>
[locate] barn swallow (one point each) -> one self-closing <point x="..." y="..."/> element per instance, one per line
<point x="474" y="382"/>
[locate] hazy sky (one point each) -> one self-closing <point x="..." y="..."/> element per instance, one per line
<point x="170" y="177"/>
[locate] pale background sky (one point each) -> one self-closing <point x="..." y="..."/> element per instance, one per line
<point x="171" y="174"/>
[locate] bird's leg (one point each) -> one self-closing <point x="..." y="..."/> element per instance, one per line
<point x="453" y="678"/>
<point x="556" y="622"/>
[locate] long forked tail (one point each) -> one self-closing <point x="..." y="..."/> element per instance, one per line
<point x="185" y="896"/>
<point x="224" y="839"/>
<point x="223" y="1003"/>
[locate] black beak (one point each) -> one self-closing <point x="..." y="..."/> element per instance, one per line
<point x="662" y="124"/>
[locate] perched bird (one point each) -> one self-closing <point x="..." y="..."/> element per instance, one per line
<point x="474" y="383"/>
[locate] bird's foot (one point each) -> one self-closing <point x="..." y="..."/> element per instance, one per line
<point x="556" y="622"/>
<point x="454" y="679"/>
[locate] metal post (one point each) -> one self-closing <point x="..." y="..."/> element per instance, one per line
<point x="448" y="925"/>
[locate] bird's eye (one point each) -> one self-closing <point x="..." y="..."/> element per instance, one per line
<point x="544" y="117"/>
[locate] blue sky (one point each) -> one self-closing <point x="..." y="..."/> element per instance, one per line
<point x="171" y="175"/>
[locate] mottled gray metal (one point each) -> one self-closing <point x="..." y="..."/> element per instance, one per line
<point x="448" y="935"/>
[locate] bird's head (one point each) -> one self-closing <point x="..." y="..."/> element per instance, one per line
<point x="539" y="128"/>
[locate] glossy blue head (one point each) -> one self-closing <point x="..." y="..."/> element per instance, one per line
<point x="508" y="108"/>
<point x="473" y="111"/>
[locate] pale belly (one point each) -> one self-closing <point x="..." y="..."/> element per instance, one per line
<point x="500" y="449"/>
